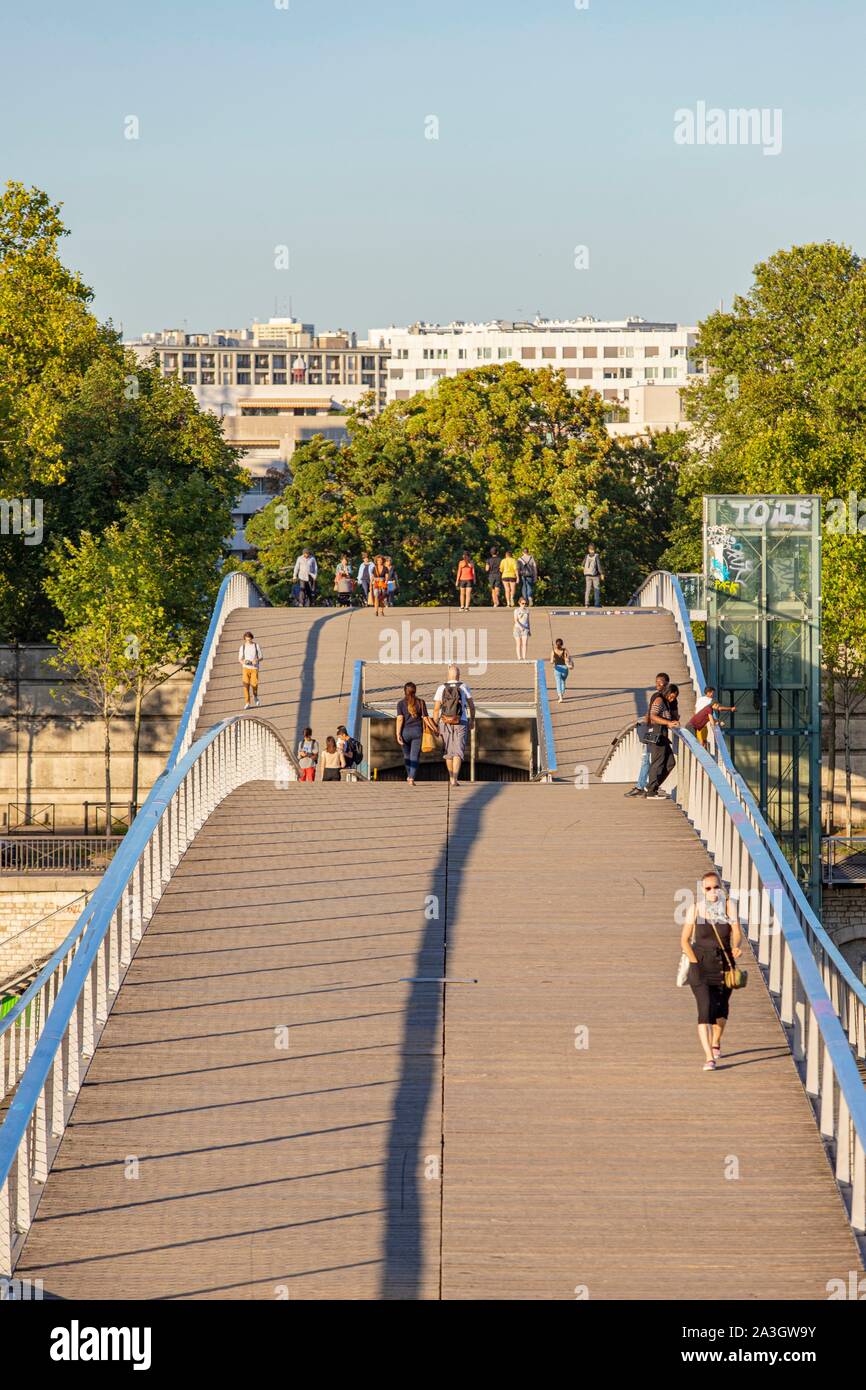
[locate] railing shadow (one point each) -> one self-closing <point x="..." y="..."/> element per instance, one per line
<point x="422" y="1079"/>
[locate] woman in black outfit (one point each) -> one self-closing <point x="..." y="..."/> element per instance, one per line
<point x="411" y="718"/>
<point x="711" y="939"/>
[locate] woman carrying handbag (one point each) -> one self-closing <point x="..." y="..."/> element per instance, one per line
<point x="710" y="941"/>
<point x="413" y="730"/>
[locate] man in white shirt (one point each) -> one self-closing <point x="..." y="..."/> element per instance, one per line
<point x="454" y="715"/>
<point x="305" y="572"/>
<point x="365" y="569"/>
<point x="250" y="658"/>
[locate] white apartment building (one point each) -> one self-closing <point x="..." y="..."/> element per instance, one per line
<point x="636" y="366"/>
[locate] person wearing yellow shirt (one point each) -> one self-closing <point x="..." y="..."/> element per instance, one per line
<point x="509" y="573"/>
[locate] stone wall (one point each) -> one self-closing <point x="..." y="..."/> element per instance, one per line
<point x="51" y="746"/>
<point x="25" y="901"/>
<point x="843" y="915"/>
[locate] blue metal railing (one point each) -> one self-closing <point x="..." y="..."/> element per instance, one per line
<point x="220" y="611"/>
<point x="544" y="721"/>
<point x="91" y="929"/>
<point x="668" y="593"/>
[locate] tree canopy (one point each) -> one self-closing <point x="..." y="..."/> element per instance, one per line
<point x="85" y="430"/>
<point x="498" y="455"/>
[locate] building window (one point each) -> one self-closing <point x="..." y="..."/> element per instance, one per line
<point x="626" y="352"/>
<point x="189" y="378"/>
<point x="650" y="352"/>
<point x="189" y="361"/>
<point x="670" y="372"/>
<point x="589" y="352"/>
<point x="503" y="352"/>
<point x="585" y="373"/>
<point x="243" y="378"/>
<point x="611" y="352"/>
<point x="528" y="354"/>
<point x="279" y="378"/>
<point x="243" y="359"/>
<point x="548" y="352"/>
<point x="207" y="378"/>
<point x="206" y="360"/>
<point x="484" y="353"/>
<point x="261" y="361"/>
<point x="461" y="354"/>
<point x="651" y="373"/>
<point x="368" y="379"/>
<point x="368" y="364"/>
<point x="569" y="352"/>
<point x="261" y="378"/>
<point x="278" y="361"/>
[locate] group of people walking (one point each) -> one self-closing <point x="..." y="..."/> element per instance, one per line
<point x="508" y="578"/>
<point x="340" y="753"/>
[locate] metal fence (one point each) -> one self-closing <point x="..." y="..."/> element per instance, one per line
<point x="844" y="859"/>
<point x="57" y="854"/>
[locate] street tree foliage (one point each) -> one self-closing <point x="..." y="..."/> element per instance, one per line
<point x="85" y="430"/>
<point x="499" y="455"/>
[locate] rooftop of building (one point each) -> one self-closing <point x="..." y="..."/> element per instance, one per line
<point x="582" y="324"/>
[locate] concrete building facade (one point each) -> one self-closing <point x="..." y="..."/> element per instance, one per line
<point x="637" y="367"/>
<point x="274" y="386"/>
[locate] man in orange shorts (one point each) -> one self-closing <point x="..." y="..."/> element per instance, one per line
<point x="250" y="657"/>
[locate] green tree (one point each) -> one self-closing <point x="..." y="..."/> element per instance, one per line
<point x="496" y="455"/>
<point x="84" y="428"/>
<point x="92" y="646"/>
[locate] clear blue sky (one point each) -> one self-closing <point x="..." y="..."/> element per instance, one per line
<point x="305" y="127"/>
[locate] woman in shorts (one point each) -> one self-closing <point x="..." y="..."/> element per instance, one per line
<point x="465" y="580"/>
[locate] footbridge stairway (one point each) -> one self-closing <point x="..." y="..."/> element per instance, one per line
<point x="368" y="1041"/>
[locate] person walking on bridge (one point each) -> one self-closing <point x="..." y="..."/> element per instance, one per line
<point x="522" y="632"/>
<point x="527" y="568"/>
<point x="639" y="788"/>
<point x="308" y="756"/>
<point x="465" y="580"/>
<point x="711" y="938"/>
<point x="454" y="716"/>
<point x="379" y="585"/>
<point x="412" y="718"/>
<point x="250" y="658"/>
<point x="509" y="572"/>
<point x="305" y="574"/>
<point x="562" y="663"/>
<point x="593" y="576"/>
<point x="365" y="569"/>
<point x="661" y="721"/>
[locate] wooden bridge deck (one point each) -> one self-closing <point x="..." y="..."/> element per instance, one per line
<point x="406" y="1139"/>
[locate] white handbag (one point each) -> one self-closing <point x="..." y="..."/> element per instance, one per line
<point x="683" y="970"/>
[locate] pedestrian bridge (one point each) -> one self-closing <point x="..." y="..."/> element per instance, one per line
<point x="368" y="1041"/>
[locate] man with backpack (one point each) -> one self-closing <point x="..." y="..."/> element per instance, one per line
<point x="643" y="729"/>
<point x="351" y="749"/>
<point x="454" y="716"/>
<point x="593" y="576"/>
<point x="250" y="658"/>
<point x="527" y="567"/>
